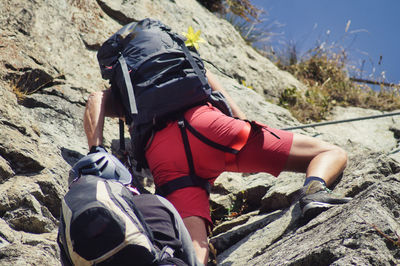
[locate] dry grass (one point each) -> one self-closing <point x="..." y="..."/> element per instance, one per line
<point x="30" y="81"/>
<point x="329" y="85"/>
<point x="18" y="86"/>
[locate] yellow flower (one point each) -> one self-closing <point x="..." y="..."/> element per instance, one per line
<point x="193" y="38"/>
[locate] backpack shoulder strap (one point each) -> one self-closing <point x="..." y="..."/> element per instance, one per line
<point x="62" y="243"/>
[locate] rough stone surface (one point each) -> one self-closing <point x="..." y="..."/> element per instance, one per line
<point x="48" y="68"/>
<point x="360" y="131"/>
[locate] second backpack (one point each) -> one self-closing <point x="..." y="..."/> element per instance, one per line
<point x="101" y="225"/>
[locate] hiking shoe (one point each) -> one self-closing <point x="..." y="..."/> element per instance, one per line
<point x="317" y="198"/>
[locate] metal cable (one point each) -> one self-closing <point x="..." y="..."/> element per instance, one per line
<point x="342" y="121"/>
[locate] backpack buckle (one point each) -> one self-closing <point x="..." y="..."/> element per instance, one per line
<point x="181" y="123"/>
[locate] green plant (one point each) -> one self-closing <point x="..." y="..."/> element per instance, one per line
<point x="288" y="97"/>
<point x="325" y="72"/>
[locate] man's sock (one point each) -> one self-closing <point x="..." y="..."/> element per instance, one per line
<point x="312" y="178"/>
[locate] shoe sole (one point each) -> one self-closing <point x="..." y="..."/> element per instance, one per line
<point x="313" y="209"/>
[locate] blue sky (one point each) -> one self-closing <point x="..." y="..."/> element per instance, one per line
<point x="373" y="32"/>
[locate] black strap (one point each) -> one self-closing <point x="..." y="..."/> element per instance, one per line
<point x="189" y="156"/>
<point x="135" y="180"/>
<point x="207" y="141"/>
<point x="256" y="126"/>
<point x="128" y="163"/>
<point x="183" y="182"/>
<point x="121" y="135"/>
<point x="192" y="62"/>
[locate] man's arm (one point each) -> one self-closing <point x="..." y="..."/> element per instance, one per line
<point x="98" y="106"/>
<point x="216" y="86"/>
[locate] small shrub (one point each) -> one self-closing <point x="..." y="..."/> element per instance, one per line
<point x="324" y="74"/>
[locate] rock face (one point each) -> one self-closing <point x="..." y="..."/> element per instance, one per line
<point x="48" y="68"/>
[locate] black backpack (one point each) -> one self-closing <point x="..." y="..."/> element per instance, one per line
<point x="102" y="223"/>
<point x="153" y="71"/>
<point x="157" y="78"/>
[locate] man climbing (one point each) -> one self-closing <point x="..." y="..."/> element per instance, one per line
<point x="186" y="152"/>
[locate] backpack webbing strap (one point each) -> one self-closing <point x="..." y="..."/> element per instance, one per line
<point x="188" y="151"/>
<point x="128" y="83"/>
<point x="121" y="135"/>
<point x="183" y="182"/>
<point x="209" y="142"/>
<point x="230" y="151"/>
<point x="191" y="180"/>
<point x="192" y="62"/>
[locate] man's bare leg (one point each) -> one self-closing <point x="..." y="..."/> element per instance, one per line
<point x="198" y="232"/>
<point x="323" y="163"/>
<point x="316" y="158"/>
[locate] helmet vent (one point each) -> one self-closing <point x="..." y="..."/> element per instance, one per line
<point x="104" y="166"/>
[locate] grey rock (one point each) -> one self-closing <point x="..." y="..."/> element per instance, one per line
<point x="361" y="131"/>
<point x="5" y="170"/>
<point x="254" y="243"/>
<point x="344" y="234"/>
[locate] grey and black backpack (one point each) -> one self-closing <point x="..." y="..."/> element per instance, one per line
<point x="104" y="223"/>
<point x="153" y="71"/>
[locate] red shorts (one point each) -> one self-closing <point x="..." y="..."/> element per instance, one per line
<point x="263" y="152"/>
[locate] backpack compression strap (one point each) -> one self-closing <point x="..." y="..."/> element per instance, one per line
<point x="192" y="62"/>
<point x="131" y="100"/>
<point x="129" y="87"/>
